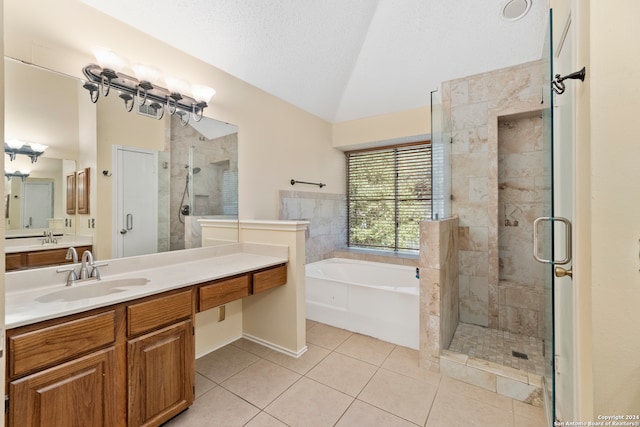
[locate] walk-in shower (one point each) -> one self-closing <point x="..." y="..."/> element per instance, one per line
<point x="498" y="136"/>
<point x="204" y="178"/>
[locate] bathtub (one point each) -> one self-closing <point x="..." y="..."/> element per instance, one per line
<point x="371" y="298"/>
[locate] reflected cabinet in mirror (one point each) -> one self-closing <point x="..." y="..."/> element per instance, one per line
<point x="135" y="184"/>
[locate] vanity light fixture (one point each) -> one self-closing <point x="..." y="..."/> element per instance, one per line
<point x="178" y="98"/>
<point x="32" y="150"/>
<point x="18" y="174"/>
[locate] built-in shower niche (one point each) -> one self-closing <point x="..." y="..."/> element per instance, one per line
<point x="522" y="194"/>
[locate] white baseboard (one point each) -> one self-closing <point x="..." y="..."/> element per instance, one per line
<point x="276" y="347"/>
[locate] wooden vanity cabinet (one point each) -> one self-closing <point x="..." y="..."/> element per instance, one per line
<point x="63" y="373"/>
<point x="43" y="258"/>
<point x="130" y="364"/>
<point x="160" y="358"/>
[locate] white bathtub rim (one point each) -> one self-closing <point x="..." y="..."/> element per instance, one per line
<point x="413" y="289"/>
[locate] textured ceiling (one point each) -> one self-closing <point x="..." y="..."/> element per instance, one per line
<point x="342" y="59"/>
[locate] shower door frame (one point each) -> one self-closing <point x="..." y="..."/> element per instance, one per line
<point x="565" y="325"/>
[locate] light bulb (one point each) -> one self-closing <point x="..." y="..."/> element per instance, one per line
<point x="109" y="59"/>
<point x="202" y="93"/>
<point x="177" y="86"/>
<point x="145" y="73"/>
<point x="38" y="148"/>
<point x="15" y="143"/>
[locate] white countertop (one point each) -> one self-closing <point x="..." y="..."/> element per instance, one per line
<point x="29" y="244"/>
<point x="34" y="295"/>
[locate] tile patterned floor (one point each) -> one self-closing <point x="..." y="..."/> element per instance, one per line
<point x="343" y="380"/>
<point x="496" y="346"/>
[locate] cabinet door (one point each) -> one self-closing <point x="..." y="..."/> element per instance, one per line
<point x="82" y="185"/>
<point x="77" y="393"/>
<point x="161" y="367"/>
<point x="71" y="193"/>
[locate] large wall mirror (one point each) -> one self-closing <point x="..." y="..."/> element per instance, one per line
<point x="151" y="181"/>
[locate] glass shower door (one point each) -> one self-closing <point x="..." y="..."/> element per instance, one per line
<point x="544" y="226"/>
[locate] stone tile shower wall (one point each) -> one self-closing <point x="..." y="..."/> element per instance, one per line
<point x="471" y="107"/>
<point x="521" y="193"/>
<point x="439" y="299"/>
<point x="214" y="157"/>
<point x="327" y="216"/>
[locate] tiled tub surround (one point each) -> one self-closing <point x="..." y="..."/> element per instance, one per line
<point x="438" y="288"/>
<point x="327" y="216"/>
<point x="471" y="109"/>
<point x="386" y="257"/>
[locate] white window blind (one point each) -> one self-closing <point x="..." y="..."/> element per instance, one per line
<point x="389" y="193"/>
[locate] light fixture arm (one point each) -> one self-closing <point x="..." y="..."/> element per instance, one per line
<point x="26" y="150"/>
<point x="107" y="79"/>
<point x="16" y="174"/>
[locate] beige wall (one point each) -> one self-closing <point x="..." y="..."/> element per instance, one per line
<point x="614" y="73"/>
<point x="359" y="133"/>
<point x="277" y="317"/>
<point x="277" y="141"/>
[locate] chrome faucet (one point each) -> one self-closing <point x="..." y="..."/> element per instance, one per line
<point x="87" y="261"/>
<point x="72" y="254"/>
<point x="48" y="237"/>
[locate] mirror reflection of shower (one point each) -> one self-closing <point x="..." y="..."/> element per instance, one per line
<point x="185" y="209"/>
<point x="211" y="148"/>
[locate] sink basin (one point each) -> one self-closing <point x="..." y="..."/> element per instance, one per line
<point x="93" y="289"/>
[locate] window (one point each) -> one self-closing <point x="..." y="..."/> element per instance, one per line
<point x="388" y="194"/>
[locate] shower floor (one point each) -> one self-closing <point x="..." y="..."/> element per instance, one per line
<point x="497" y="347"/>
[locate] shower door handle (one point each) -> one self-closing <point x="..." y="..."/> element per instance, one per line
<point x="536" y="242"/>
<point x="129" y="222"/>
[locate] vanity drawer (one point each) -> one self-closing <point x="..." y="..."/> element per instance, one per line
<point x="48" y="257"/>
<point x="44" y="257"/>
<point x="270" y="278"/>
<point x="15" y="261"/>
<point x="31" y="351"/>
<point x="222" y="292"/>
<point x="158" y="312"/>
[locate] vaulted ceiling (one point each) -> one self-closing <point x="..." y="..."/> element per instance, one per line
<point x="342" y="59"/>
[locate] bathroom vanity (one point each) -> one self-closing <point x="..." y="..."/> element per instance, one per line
<point x="34" y="252"/>
<point x="39" y="258"/>
<point x="121" y="351"/>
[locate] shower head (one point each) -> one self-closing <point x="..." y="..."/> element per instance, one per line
<point x="193" y="171"/>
